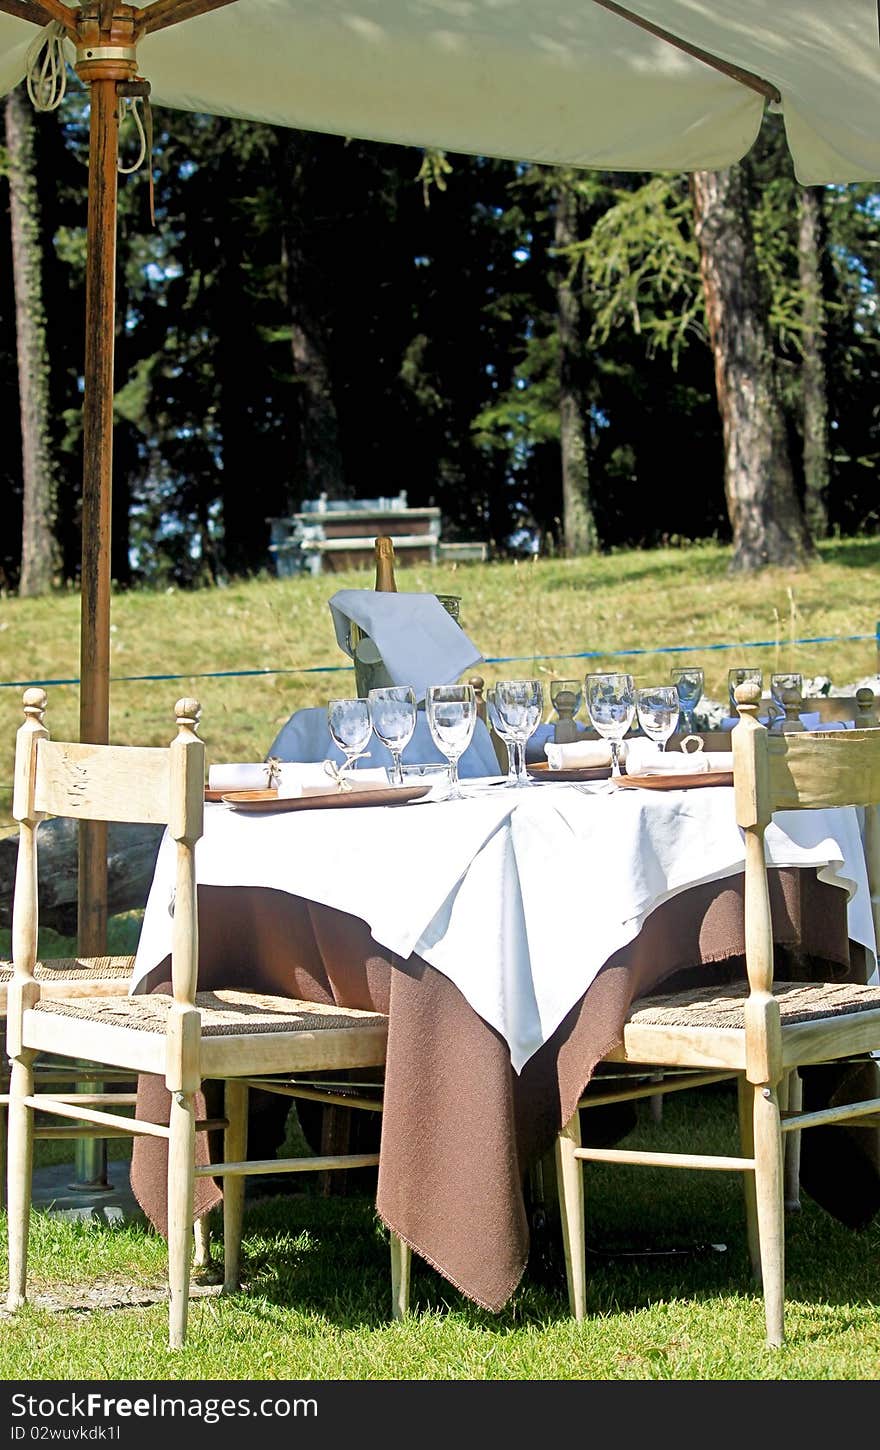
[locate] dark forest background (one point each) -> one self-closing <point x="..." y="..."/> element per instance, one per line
<point x="525" y="347"/>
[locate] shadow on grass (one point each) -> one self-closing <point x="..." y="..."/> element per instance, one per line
<point x="851" y="553"/>
<point x="651" y="1239"/>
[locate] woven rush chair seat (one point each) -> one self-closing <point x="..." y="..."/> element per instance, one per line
<point x="222" y="1012"/>
<point x="76" y="976"/>
<point x="77" y="968"/>
<point x="708" y="1007"/>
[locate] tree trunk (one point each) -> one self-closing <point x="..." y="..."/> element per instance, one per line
<point x="765" y="516"/>
<point x="319" y="466"/>
<point x="245" y="532"/>
<point x="578" y="522"/>
<point x="38" y="547"/>
<point x="811" y="244"/>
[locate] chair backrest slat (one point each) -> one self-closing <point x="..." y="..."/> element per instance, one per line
<point x="103" y="782"/>
<point x="814" y="769"/>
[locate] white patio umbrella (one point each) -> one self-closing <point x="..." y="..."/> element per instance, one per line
<point x="663" y="85"/>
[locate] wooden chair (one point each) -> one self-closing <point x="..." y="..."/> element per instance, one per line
<point x="761" y="1032"/>
<point x="66" y="977"/>
<point x="183" y="1037"/>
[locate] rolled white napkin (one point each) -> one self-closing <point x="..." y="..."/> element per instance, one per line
<point x="579" y="754"/>
<point x="239" y="777"/>
<point x="300" y="778"/>
<point x="643" y="758"/>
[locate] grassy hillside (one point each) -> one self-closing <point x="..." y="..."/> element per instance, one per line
<point x="541" y="611"/>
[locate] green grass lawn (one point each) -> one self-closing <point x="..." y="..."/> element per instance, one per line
<point x="317" y="1274"/>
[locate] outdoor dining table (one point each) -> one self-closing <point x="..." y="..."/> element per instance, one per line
<point x="506" y="935"/>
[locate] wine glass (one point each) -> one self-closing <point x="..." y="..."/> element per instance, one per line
<point x="611" y="706"/>
<point x="688" y="681"/>
<point x="393" y="716"/>
<point x="452" y="714"/>
<point x="349" y="724"/>
<point x="520" y="705"/>
<point x="657" y="707"/>
<point x="738" y="677"/>
<point x="501" y="730"/>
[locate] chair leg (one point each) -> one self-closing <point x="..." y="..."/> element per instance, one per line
<point x="655" y="1104"/>
<point x="792" y="1146"/>
<point x="234" y="1151"/>
<point x="181" y="1177"/>
<point x="744" y="1098"/>
<point x="771" y="1213"/>
<point x="201" y="1244"/>
<point x="401" y="1264"/>
<point x="570" y="1184"/>
<point x="3" y="1134"/>
<point x="20" y="1169"/>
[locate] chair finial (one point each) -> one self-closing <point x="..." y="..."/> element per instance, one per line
<point x="865" y="701"/>
<point x="187" y="713"/>
<point x="34" y="702"/>
<point x="792" y="703"/>
<point x="748" y="698"/>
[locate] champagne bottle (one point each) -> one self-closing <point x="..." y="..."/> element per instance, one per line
<point x="385" y="565"/>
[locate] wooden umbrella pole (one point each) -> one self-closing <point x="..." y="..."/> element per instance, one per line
<point x="94" y="715"/>
<point x="105" y="57"/>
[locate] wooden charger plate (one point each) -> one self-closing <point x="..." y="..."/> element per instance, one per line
<point x="541" y="771"/>
<point x="677" y="782"/>
<point x="268" y="800"/>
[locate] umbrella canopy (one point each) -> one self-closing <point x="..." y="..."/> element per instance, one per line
<point x="557" y="81"/>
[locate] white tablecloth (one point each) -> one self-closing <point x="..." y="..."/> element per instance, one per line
<point x="519" y="896"/>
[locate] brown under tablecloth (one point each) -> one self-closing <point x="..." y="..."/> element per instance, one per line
<point x="459" y="1128"/>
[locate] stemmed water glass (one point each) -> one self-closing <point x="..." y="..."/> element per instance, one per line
<point x="520" y="705"/>
<point x="349" y="724"/>
<point x="657" y="708"/>
<point x="504" y="735"/>
<point x="393" y="716"/>
<point x="451" y="711"/>
<point x="738" y="677"/>
<point x="688" y="681"/>
<point x="611" y="705"/>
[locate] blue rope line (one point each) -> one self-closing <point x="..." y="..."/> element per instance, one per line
<point x="590" y="654"/>
<point x="673" y="649"/>
<point x="203" y="675"/>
